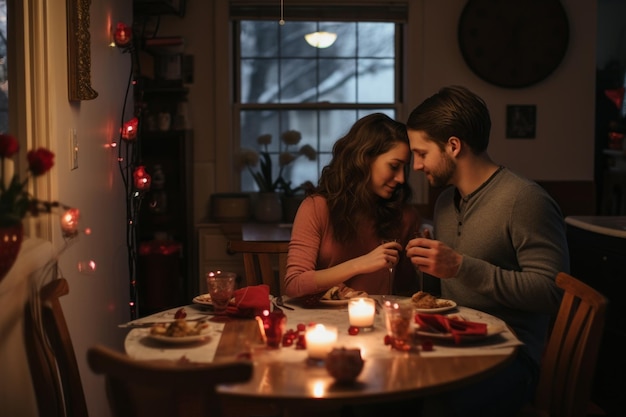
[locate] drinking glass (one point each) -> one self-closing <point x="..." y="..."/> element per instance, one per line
<point x="274" y="323"/>
<point x="220" y="286"/>
<point x="399" y="316"/>
<point x="387" y="241"/>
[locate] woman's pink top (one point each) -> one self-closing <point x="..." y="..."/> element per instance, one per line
<point x="312" y="247"/>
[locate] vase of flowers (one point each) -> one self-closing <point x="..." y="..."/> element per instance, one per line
<point x="268" y="204"/>
<point x="16" y="202"/>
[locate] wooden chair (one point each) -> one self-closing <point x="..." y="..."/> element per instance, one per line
<point x="568" y="365"/>
<point x="259" y="259"/>
<point x="51" y="358"/>
<point x="162" y="388"/>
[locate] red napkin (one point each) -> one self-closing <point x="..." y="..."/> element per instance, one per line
<point x="437" y="323"/>
<point x="250" y="301"/>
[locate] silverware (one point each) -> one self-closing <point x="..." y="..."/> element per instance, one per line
<point x="142" y="324"/>
<point x="278" y="301"/>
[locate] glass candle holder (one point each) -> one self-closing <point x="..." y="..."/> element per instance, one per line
<point x="361" y="312"/>
<point x="274" y="323"/>
<point x="320" y="340"/>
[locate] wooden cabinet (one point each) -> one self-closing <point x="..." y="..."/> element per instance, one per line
<point x="164" y="227"/>
<point x="159" y="7"/>
<point x="165" y="222"/>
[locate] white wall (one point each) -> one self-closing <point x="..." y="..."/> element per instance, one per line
<point x="97" y="302"/>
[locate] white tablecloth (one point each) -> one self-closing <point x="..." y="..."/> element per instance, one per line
<point x="371" y="343"/>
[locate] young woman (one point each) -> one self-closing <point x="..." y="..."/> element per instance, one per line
<point x="362" y="200"/>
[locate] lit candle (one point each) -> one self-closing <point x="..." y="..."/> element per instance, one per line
<point x="320" y="340"/>
<point x="361" y="312"/>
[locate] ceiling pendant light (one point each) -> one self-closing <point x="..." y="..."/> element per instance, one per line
<point x="320" y="39"/>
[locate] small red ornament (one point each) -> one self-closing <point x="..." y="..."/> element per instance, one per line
<point x="353" y="330"/>
<point x="122" y="36"/>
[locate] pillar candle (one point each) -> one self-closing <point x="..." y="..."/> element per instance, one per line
<point x="320" y="340"/>
<point x="361" y="312"/>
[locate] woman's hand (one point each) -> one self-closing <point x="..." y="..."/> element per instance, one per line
<point x="386" y="255"/>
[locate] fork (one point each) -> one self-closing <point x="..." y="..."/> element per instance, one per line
<point x="278" y="301"/>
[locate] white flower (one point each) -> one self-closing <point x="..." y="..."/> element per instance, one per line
<point x="263" y="177"/>
<point x="291" y="137"/>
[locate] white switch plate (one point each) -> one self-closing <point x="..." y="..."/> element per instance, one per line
<point x="73" y="150"/>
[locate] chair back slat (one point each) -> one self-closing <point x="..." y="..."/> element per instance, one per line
<point x="568" y="366"/>
<point x="261" y="259"/>
<point x="51" y="357"/>
<point x="163" y="388"/>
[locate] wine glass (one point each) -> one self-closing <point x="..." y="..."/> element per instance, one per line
<point x="387" y="241"/>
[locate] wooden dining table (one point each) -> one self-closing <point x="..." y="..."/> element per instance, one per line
<point x="284" y="376"/>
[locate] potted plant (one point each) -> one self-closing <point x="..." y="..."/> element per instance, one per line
<point x="268" y="206"/>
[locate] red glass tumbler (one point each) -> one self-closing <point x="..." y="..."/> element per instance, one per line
<point x="274" y="323"/>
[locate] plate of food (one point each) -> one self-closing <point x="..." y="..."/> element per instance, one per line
<point x="204" y="299"/>
<point x="428" y="303"/>
<point x="340" y="295"/>
<point x="180" y="331"/>
<point x="492" y="330"/>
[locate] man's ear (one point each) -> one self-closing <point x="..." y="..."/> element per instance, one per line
<point x="454" y="145"/>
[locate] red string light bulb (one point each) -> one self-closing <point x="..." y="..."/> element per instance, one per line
<point x="129" y="130"/>
<point x="122" y="36"/>
<point x="141" y="178"/>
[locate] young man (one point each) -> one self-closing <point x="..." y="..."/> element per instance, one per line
<point x="499" y="242"/>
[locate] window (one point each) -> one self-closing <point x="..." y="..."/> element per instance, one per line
<point x="4" y="82"/>
<point x="283" y="83"/>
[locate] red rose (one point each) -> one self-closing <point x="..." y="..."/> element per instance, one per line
<point x="8" y="146"/>
<point x="40" y="161"/>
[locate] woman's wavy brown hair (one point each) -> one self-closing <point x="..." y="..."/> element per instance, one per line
<point x="344" y="181"/>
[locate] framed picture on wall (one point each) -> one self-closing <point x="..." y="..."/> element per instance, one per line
<point x="521" y="121"/>
<point x="79" y="51"/>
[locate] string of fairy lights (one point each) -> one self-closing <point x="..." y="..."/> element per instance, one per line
<point x="135" y="178"/>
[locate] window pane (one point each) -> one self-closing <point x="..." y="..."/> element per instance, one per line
<point x="376" y="40"/>
<point x="258" y="39"/>
<point x="259" y="81"/>
<point x="338" y="80"/>
<point x="292" y="41"/>
<point x="298" y="80"/>
<point x="376" y="81"/>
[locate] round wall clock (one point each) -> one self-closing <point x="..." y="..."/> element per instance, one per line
<point x="513" y="43"/>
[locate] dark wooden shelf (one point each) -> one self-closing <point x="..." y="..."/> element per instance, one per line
<point x="159" y="7"/>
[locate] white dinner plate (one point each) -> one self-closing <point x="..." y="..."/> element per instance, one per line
<point x="204" y="299"/>
<point x="335" y="302"/>
<point x="202" y="337"/>
<point x="492" y="330"/>
<point x="450" y="306"/>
